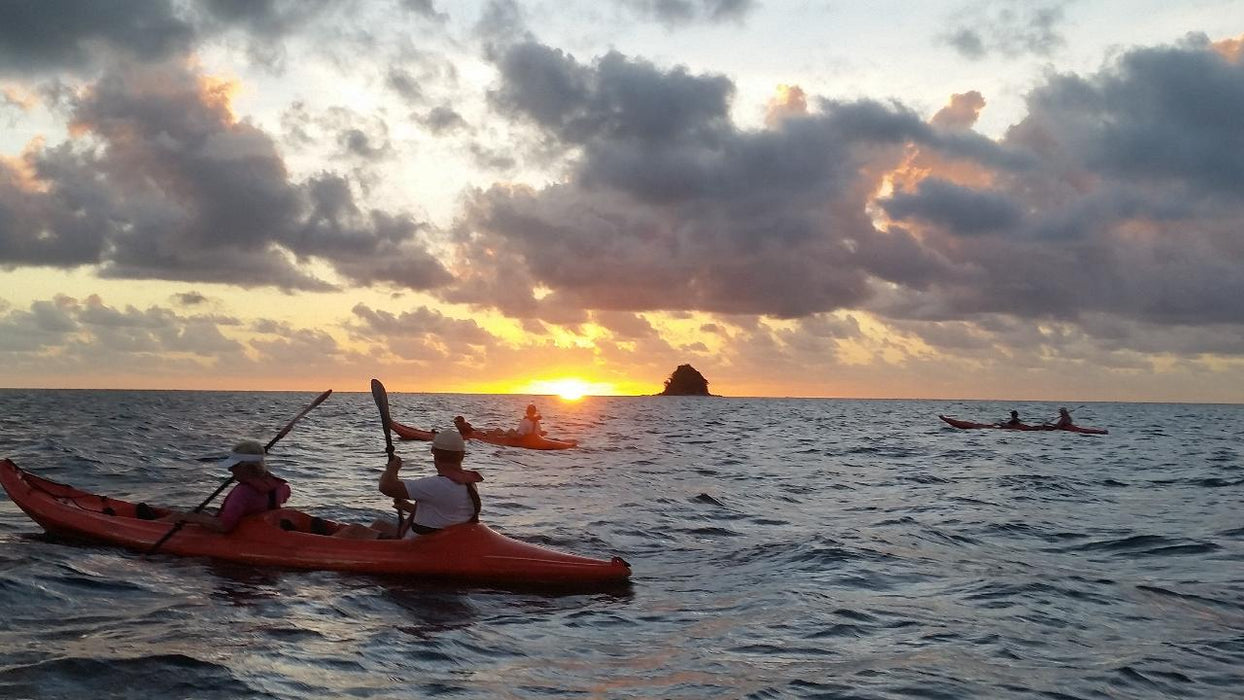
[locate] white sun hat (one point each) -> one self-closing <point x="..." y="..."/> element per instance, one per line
<point x="247" y="451"/>
<point x="450" y="440"/>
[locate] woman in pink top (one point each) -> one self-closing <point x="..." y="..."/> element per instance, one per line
<point x="256" y="492"/>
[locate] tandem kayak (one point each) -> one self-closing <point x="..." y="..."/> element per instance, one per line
<point x="969" y="425"/>
<point x="531" y="442"/>
<point x="469" y="553"/>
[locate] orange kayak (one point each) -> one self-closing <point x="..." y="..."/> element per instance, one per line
<point x="406" y="432"/>
<point x="495" y="437"/>
<point x="470" y="553"/>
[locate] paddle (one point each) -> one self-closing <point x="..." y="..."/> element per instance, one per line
<point x="386" y="420"/>
<point x="284" y="431"/>
<point x="386" y="423"/>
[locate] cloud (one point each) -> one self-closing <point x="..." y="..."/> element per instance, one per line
<point x="676" y="13"/>
<point x="421" y="334"/>
<point x="52" y="35"/>
<point x="190" y="298"/>
<point x="1006" y="29"/>
<point x="670" y="206"/>
<point x="1114" y="195"/>
<point x="88" y="330"/>
<point x="181" y="190"/>
<point x="961" y="210"/>
<point x="58" y="34"/>
<point x="442" y="119"/>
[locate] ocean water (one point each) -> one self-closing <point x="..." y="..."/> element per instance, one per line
<point x="780" y="548"/>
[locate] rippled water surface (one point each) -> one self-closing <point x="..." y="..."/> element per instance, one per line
<point x="781" y="548"/>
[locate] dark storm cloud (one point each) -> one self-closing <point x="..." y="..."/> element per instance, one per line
<point x="617" y="97"/>
<point x="56" y="34"/>
<point x="181" y="191"/>
<point x="37" y="35"/>
<point x="1117" y="194"/>
<point x="672" y="207"/>
<point x="1168" y="114"/>
<point x="1009" y="29"/>
<point x="962" y="210"/>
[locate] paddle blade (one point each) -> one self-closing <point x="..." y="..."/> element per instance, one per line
<point x="386" y="420"/>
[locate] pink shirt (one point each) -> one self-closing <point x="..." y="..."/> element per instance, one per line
<point x="246" y="500"/>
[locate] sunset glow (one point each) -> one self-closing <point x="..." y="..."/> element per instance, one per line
<point x="569" y="388"/>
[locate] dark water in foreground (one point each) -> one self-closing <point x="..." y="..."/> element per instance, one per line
<point x="781" y="548"/>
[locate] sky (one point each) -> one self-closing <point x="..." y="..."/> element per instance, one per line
<point x="948" y="199"/>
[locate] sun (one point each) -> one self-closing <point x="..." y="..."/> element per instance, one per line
<point x="567" y="388"/>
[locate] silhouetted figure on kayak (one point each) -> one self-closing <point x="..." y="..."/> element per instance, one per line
<point x="1064" y="419"/>
<point x="465" y="429"/>
<point x="257" y="491"/>
<point x="530" y="424"/>
<point x="1013" y="421"/>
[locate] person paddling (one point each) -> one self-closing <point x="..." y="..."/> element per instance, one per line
<point x="1013" y="421"/>
<point x="257" y="491"/>
<point x="1064" y="419"/>
<point x="449" y="498"/>
<point x="530" y="423"/>
<point x="465" y="429"/>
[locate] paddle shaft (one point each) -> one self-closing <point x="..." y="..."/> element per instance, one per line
<point x="284" y="431"/>
<point x="386" y="423"/>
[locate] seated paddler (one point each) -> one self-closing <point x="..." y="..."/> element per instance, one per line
<point x="257" y="490"/>
<point x="433" y="502"/>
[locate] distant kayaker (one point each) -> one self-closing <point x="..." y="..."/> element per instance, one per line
<point x="530" y="424"/>
<point x="1013" y="422"/>
<point x="465" y="429"/>
<point x="1064" y="419"/>
<point x="257" y="490"/>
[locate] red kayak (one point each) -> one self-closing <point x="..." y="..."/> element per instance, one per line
<point x="969" y="425"/>
<point x="406" y="432"/>
<point x="495" y="437"/>
<point x="472" y="553"/>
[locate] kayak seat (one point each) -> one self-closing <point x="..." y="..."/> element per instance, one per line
<point x="145" y="512"/>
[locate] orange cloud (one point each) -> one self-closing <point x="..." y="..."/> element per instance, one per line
<point x="18" y="97"/>
<point x="790" y="101"/>
<point x="962" y="112"/>
<point x="1230" y="49"/>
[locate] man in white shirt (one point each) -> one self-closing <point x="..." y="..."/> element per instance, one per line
<point x="449" y="498"/>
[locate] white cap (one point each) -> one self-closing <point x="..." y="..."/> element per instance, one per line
<point x="449" y="440"/>
<point x="244" y="452"/>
